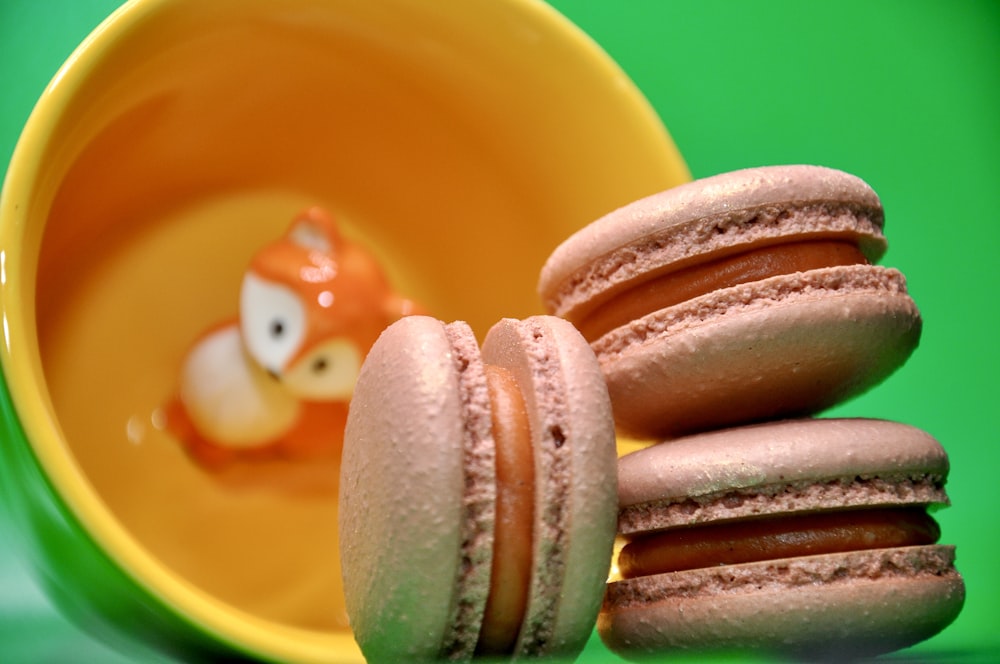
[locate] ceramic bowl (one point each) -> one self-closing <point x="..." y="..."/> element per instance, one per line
<point x="461" y="141"/>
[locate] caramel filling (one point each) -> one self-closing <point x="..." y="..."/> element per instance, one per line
<point x="515" y="504"/>
<point x="678" y="286"/>
<point x="776" y="537"/>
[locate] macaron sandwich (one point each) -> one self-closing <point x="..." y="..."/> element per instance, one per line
<point x="481" y="493"/>
<point x="744" y="296"/>
<point x="807" y="537"/>
<point x="478" y="495"/>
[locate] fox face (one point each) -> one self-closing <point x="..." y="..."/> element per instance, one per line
<point x="276" y="383"/>
<point x="311" y="305"/>
<point x="275" y="327"/>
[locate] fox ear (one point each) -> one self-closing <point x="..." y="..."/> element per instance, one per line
<point x="395" y="307"/>
<point x="315" y="229"/>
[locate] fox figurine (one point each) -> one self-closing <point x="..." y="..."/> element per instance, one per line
<point x="276" y="382"/>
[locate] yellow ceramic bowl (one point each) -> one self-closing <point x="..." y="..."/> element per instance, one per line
<point x="460" y="140"/>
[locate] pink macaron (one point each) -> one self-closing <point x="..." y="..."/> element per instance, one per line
<point x="742" y="297"/>
<point x="808" y="538"/>
<point x="478" y="492"/>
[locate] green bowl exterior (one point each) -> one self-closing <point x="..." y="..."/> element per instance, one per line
<point x="88" y="586"/>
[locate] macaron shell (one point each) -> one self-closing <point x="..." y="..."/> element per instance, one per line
<point x="781" y="347"/>
<point x="416" y="572"/>
<point x="779" y="467"/>
<point x="707" y="216"/>
<point x="575" y="474"/>
<point x="840" y="605"/>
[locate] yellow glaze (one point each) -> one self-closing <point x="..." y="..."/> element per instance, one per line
<point x="460" y="141"/>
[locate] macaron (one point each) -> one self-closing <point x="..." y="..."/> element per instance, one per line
<point x="743" y="297"/>
<point x="478" y="493"/>
<point x="808" y="538"/>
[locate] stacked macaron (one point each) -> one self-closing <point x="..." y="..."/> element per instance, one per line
<point x="480" y="485"/>
<point x="718" y="310"/>
<point x="745" y="296"/>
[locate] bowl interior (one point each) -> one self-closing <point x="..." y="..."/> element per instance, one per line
<point x="460" y="144"/>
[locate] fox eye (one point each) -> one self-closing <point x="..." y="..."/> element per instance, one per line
<point x="320" y="365"/>
<point x="272" y="321"/>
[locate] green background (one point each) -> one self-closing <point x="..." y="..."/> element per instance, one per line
<point x="905" y="94"/>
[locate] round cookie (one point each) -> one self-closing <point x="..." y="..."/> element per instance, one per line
<point x="746" y="296"/>
<point x="801" y="537"/>
<point x="478" y="492"/>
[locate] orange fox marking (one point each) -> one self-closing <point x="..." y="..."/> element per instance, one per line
<point x="275" y="384"/>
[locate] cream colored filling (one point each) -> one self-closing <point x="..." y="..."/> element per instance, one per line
<point x="770" y="538"/>
<point x="678" y="286"/>
<point x="511" y="566"/>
